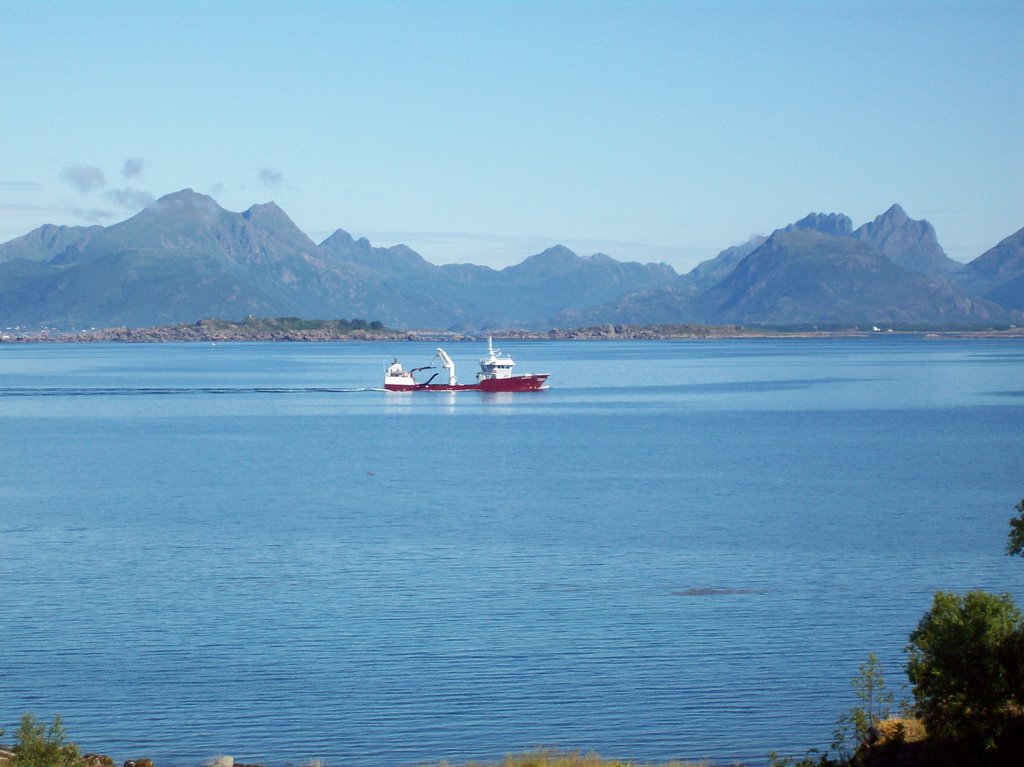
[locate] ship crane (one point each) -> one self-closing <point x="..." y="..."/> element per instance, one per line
<point x="447" y="364"/>
<point x="495" y="375"/>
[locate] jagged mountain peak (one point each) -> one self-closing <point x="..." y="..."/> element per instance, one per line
<point x="264" y="209"/>
<point x="338" y="237"/>
<point x="186" y="196"/>
<point x="895" y="213"/>
<point x="806" y="276"/>
<point x="556" y="254"/>
<point x="894" y="218"/>
<point x="398" y="258"/>
<point x="181" y="205"/>
<point x="911" y="243"/>
<point x="405" y="251"/>
<point x="190" y="219"/>
<point x="270" y="218"/>
<point x="343" y="242"/>
<point x="556" y="251"/>
<point x="837" y="224"/>
<point x="553" y="260"/>
<point x="184" y="257"/>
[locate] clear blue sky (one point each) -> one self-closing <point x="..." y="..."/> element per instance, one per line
<point x="486" y="131"/>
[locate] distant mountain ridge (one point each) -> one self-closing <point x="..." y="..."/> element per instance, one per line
<point x="819" y="270"/>
<point x="810" y="277"/>
<point x="184" y="257"/>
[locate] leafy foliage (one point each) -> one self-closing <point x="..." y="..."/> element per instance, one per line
<point x="39" y="745"/>
<point x="876" y="702"/>
<point x="1015" y="544"/>
<point x="297" y="323"/>
<point x="964" y="665"/>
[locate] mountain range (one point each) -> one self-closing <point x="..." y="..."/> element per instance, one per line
<point x="184" y="258"/>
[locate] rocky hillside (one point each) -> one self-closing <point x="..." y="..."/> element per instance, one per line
<point x="185" y="257"/>
<point x="820" y="271"/>
<point x="809" y="277"/>
<point x="998" y="273"/>
<point x="908" y="243"/>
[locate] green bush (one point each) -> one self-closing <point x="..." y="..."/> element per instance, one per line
<point x="1015" y="542"/>
<point x="37" y="745"/>
<point x="964" y="665"/>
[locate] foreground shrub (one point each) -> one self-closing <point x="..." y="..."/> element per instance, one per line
<point x="964" y="664"/>
<point x="1015" y="540"/>
<point x="860" y="726"/>
<point x="38" y="745"/>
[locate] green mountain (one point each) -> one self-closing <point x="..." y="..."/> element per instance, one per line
<point x="181" y="258"/>
<point x="42" y="244"/>
<point x="184" y="257"/>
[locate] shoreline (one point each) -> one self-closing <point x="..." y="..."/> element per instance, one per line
<point x="253" y="330"/>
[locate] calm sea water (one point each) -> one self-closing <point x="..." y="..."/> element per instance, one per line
<point x="681" y="549"/>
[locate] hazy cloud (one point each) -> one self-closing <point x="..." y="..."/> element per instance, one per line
<point x="132" y="167"/>
<point x="84" y="178"/>
<point x="134" y="199"/>
<point x="271" y="177"/>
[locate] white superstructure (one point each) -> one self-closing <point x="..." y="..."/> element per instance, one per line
<point x="396" y="376"/>
<point x="494" y="366"/>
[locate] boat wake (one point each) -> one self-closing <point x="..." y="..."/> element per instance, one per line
<point x="174" y="391"/>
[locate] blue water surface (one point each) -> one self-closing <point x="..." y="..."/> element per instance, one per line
<point x="678" y="550"/>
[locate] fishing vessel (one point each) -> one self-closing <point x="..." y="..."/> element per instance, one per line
<point x="495" y="375"/>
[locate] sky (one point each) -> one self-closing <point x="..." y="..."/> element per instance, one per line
<point x="484" y="132"/>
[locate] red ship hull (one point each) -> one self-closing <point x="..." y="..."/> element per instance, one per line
<point x="515" y="383"/>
